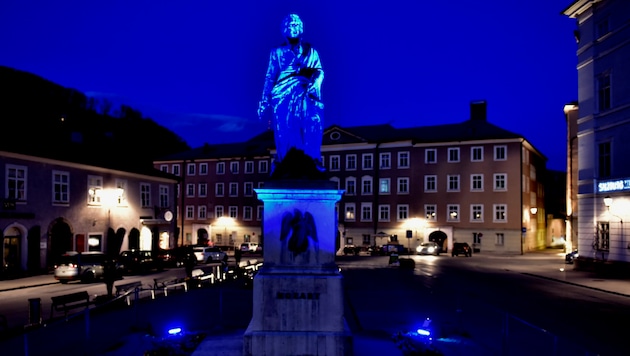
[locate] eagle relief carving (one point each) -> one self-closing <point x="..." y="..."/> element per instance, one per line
<point x="298" y="235"/>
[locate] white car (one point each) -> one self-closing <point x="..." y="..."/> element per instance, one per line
<point x="250" y="247"/>
<point x="207" y="254"/>
<point x="429" y="248"/>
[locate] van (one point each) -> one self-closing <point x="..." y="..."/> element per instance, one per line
<point x="83" y="266"/>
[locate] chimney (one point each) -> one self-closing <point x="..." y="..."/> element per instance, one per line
<point x="478" y="110"/>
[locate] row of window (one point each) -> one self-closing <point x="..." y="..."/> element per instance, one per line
<point x="384" y="185"/>
<point x="385" y="161"/>
<point x="191" y="168"/>
<point x="430" y="184"/>
<point x="219" y="211"/>
<point x="219" y="189"/>
<point x="499" y="212"/>
<point x="403" y="159"/>
<point x="17" y="179"/>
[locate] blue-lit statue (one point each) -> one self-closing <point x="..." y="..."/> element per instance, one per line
<point x="292" y="89"/>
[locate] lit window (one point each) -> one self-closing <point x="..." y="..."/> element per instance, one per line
<point x="476" y="213"/>
<point x="453" y="212"/>
<point x="384" y="184"/>
<point x="500" y="213"/>
<point x="430" y="212"/>
<point x="350" y="212"/>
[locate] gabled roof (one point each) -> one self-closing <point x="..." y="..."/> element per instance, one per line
<point x="260" y="145"/>
<point x="335" y="135"/>
<point x="257" y="146"/>
<point x="469" y="130"/>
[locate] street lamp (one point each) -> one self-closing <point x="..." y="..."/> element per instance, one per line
<point x="225" y="221"/>
<point x="608" y="201"/>
<point x="415" y="224"/>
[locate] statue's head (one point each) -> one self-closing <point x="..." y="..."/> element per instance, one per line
<point x="292" y="26"/>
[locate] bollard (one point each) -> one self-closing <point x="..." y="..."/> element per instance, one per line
<point x="34" y="311"/>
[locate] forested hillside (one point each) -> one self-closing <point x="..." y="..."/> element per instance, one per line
<point x="39" y="117"/>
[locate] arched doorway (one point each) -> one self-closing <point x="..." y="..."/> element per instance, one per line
<point x="60" y="240"/>
<point x="134" y="239"/>
<point x="11" y="251"/>
<point x="202" y="237"/>
<point x="439" y="237"/>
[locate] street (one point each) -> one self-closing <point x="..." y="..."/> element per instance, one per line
<point x="504" y="305"/>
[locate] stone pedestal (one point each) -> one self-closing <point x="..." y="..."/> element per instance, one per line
<point x="298" y="293"/>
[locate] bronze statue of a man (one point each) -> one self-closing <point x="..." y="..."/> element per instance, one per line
<point x="292" y="89"/>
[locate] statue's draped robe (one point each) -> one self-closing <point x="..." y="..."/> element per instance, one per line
<point x="297" y="111"/>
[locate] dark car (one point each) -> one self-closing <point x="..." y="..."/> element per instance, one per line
<point x="570" y="257"/>
<point x="175" y="257"/>
<point x="462" y="248"/>
<point x="140" y="261"/>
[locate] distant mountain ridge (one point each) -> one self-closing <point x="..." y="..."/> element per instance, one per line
<point x="45" y="119"/>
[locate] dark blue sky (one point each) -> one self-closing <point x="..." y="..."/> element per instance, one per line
<point x="197" y="66"/>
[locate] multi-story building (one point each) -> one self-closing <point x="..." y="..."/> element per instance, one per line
<point x="216" y="195"/>
<point x="603" y="128"/>
<point x="50" y="206"/>
<point x="471" y="181"/>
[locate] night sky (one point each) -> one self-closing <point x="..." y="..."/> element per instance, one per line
<point x="197" y="67"/>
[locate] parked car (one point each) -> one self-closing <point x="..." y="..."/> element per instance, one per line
<point x="206" y="254"/>
<point x="461" y="248"/>
<point x="140" y="261"/>
<point x="175" y="257"/>
<point x="351" y="250"/>
<point x="250" y="247"/>
<point x="84" y="266"/>
<point x="570" y="257"/>
<point x="429" y="248"/>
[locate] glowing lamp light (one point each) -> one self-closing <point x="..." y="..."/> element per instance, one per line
<point x="608" y="201"/>
<point x="174" y="331"/>
<point x="423" y="332"/>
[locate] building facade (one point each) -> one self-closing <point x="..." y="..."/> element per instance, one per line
<point x="471" y="182"/>
<point x="52" y="206"/>
<point x="216" y="197"/>
<point x="603" y="128"/>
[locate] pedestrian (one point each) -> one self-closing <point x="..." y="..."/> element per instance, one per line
<point x="189" y="261"/>
<point x="109" y="276"/>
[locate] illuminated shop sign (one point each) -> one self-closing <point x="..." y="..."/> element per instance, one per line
<point x="613" y="185"/>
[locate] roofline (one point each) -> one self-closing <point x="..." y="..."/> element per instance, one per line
<point x="86" y="166"/>
<point x="578" y="7"/>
